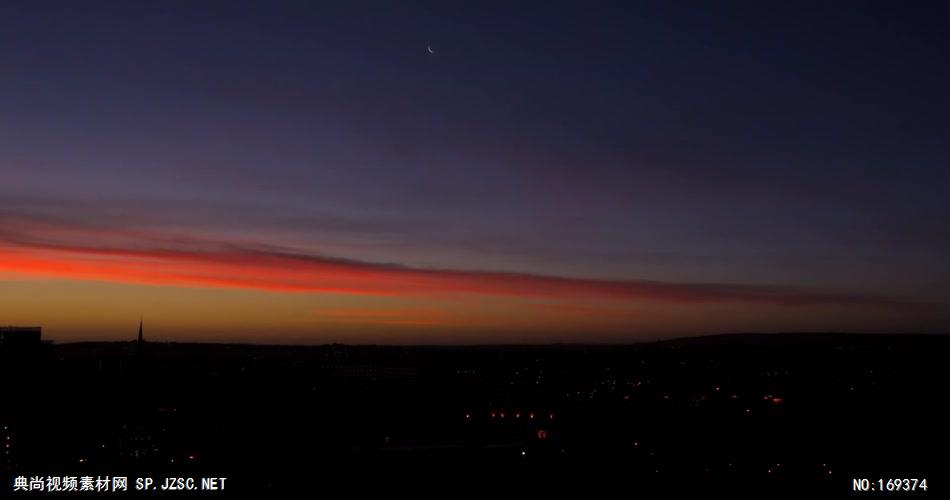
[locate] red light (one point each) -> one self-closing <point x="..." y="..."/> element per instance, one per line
<point x="542" y="434"/>
<point x="502" y="414"/>
<point x="493" y="414"/>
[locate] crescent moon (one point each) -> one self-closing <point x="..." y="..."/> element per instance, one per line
<point x="429" y="48"/>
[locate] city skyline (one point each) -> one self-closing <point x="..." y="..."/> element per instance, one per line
<point x="425" y="173"/>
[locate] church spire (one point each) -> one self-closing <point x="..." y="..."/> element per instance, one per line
<point x="141" y="339"/>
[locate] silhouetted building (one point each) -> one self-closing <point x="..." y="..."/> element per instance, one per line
<point x="141" y="340"/>
<point x="20" y="337"/>
<point x="22" y="352"/>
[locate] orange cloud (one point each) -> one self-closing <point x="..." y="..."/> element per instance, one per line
<point x="233" y="266"/>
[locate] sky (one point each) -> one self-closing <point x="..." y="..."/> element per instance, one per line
<point x="473" y="172"/>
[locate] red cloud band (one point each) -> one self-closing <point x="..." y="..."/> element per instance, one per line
<point x="232" y="266"/>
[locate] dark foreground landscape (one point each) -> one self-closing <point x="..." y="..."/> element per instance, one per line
<point x="741" y="414"/>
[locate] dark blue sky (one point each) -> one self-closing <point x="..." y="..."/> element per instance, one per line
<point x="765" y="143"/>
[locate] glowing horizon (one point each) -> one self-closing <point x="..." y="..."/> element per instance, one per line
<point x="242" y="291"/>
